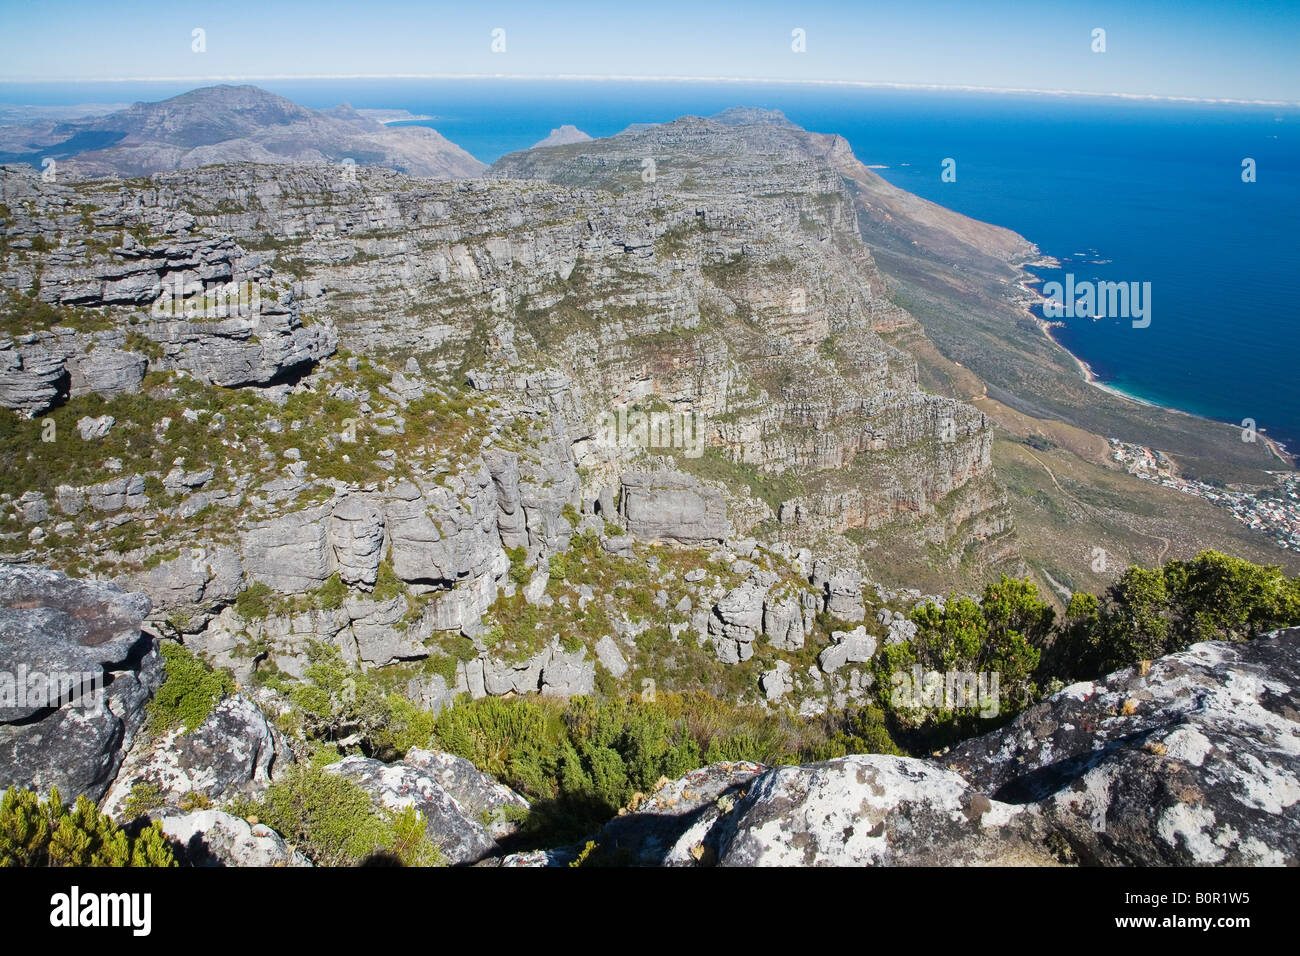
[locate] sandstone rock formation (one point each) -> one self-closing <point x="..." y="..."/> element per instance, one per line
<point x="75" y="674"/>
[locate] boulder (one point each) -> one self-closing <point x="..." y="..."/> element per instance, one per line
<point x="671" y="506"/>
<point x="847" y="647"/>
<point x="1193" y="762"/>
<point x="76" y="672"/>
<point x="456" y="831"/>
<point x="217" y="838"/>
<point x="232" y="754"/>
<point x="479" y="796"/>
<point x="611" y="657"/>
<point x="875" y="810"/>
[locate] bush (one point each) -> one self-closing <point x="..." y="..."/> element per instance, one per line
<point x="579" y="762"/>
<point x="46" y="833"/>
<point x="189" y="692"/>
<point x="1002" y="634"/>
<point x="1146" y="614"/>
<point x="338" y="702"/>
<point x="335" y="822"/>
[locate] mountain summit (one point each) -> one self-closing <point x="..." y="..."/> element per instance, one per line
<point x="220" y="124"/>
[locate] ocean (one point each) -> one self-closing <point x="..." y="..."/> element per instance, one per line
<point x="1117" y="190"/>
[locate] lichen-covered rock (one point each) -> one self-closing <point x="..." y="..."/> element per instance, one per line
<point x="454" y="828"/>
<point x="217" y="838"/>
<point x="875" y="810"/>
<point x="479" y="796"/>
<point x="233" y="754"/>
<point x="70" y="726"/>
<point x="1194" y="762"/>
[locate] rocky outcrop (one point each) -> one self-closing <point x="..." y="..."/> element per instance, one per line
<point x="874" y="810"/>
<point x="670" y="506"/>
<point x="1190" y="760"/>
<point x="30" y="377"/>
<point x="75" y="674"/>
<point x="451" y="799"/>
<point x="217" y="838"/>
<point x="232" y="755"/>
<point x="290" y="553"/>
<point x="1194" y="760"/>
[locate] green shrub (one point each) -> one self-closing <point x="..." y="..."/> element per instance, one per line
<point x="1146" y="614"/>
<point x="46" y="833"/>
<point x="189" y="691"/>
<point x="255" y="602"/>
<point x="335" y="822"/>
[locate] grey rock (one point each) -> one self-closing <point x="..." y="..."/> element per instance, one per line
<point x="232" y="754"/>
<point x="117" y="494"/>
<point x="30" y="377"/>
<point x="290" y="553"/>
<point x="875" y="810"/>
<point x="610" y="656"/>
<point x="783" y="622"/>
<point x="776" y="683"/>
<point x="397" y="786"/>
<point x="218" y="838"/>
<point x="92" y="428"/>
<point x="357" y="537"/>
<point x="1193" y="763"/>
<point x="671" y="506"/>
<point x="847" y="647"/>
<point x="568" y="673"/>
<point x="478" y="796"/>
<point x="107" y="372"/>
<point x="72" y="731"/>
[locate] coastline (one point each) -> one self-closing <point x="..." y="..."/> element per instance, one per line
<point x="1026" y="283"/>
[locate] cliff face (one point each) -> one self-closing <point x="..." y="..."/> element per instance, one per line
<point x="441" y="385"/>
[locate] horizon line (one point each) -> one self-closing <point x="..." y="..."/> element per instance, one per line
<point x="620" y="78"/>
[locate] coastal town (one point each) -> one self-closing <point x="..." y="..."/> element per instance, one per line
<point x="1274" y="512"/>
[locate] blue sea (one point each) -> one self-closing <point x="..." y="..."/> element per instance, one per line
<point x="1116" y="190"/>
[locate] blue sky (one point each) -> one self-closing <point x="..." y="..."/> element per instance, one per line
<point x="1246" y="50"/>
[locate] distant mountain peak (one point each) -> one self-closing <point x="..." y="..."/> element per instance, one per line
<point x="563" y="136"/>
<point x="752" y="116"/>
<point x="229" y="123"/>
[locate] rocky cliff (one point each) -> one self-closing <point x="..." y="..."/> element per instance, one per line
<point x="309" y="403"/>
<point x="1187" y="760"/>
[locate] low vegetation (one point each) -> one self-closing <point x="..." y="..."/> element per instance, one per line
<point x="36" y="832"/>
